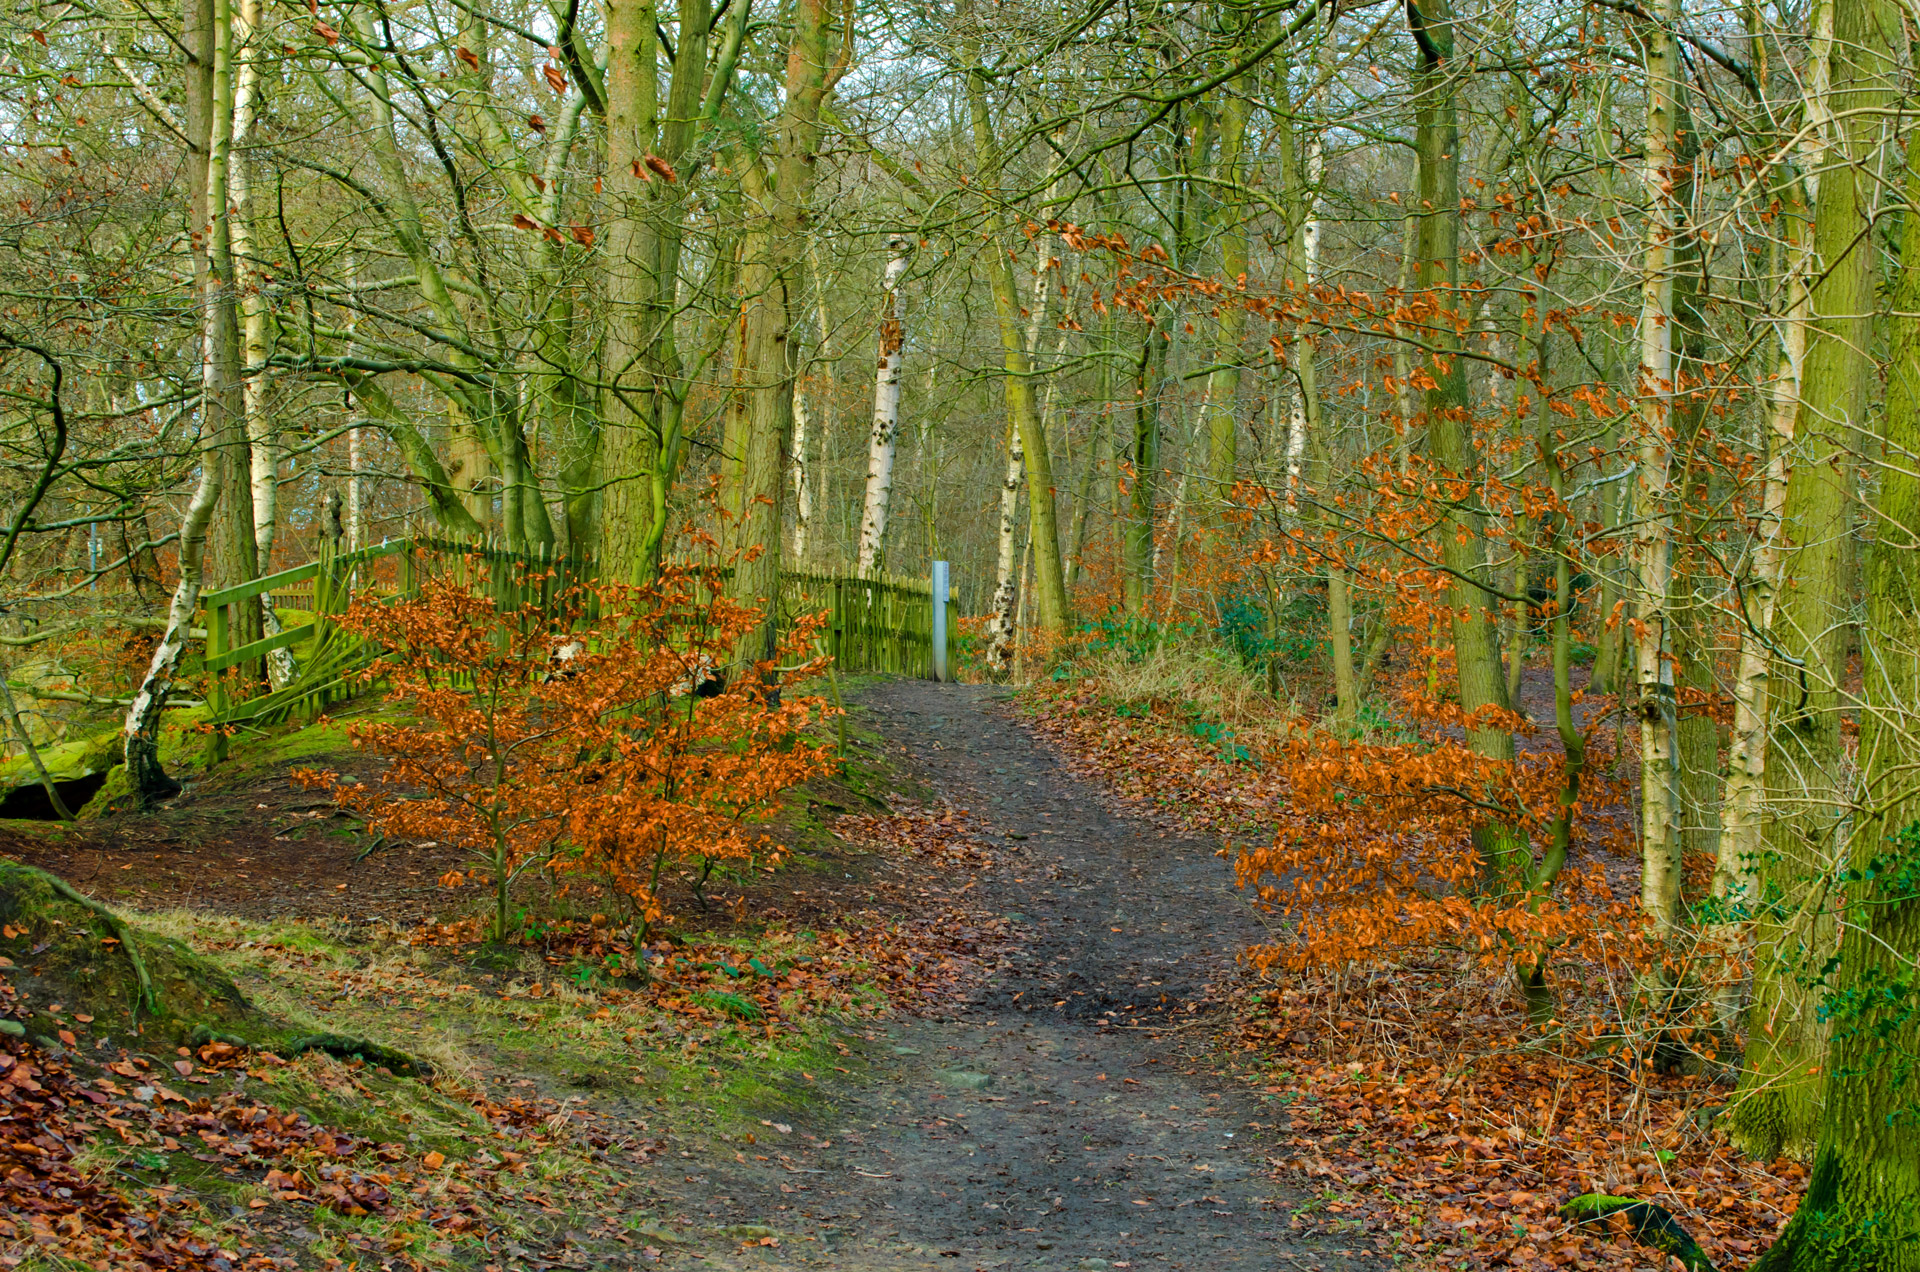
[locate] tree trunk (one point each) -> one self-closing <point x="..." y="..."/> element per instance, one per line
<point x="1000" y="622"/>
<point x="1220" y="408"/>
<point x="263" y="443"/>
<point x="1660" y="842"/>
<point x="234" y="558"/>
<point x="211" y="120"/>
<point x="1142" y="498"/>
<point x="1481" y="679"/>
<point x="648" y="143"/>
<point x="777" y="191"/>
<point x="891" y="340"/>
<point x="1777" y="1108"/>
<point x="1864" y="1192"/>
<point x="1737" y="856"/>
<point x="1050" y="582"/>
<point x="801" y="475"/>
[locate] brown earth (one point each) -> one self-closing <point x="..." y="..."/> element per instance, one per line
<point x="1073" y="1113"/>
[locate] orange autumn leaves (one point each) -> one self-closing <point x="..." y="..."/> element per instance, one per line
<point x="605" y="732"/>
<point x="1382" y="848"/>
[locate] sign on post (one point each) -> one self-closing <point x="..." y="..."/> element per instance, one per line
<point x="940" y="621"/>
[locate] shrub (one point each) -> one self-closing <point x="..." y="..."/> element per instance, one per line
<point x="604" y="732"/>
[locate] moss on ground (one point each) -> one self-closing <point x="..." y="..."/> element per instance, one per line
<point x="703" y="1076"/>
<point x="66" y="762"/>
<point x="58" y="950"/>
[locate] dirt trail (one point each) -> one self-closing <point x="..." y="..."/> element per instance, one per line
<point x="1069" y="1117"/>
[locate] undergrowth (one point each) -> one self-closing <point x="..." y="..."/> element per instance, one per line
<point x="1423" y="1101"/>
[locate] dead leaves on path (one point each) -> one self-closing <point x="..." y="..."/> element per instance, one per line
<point x="1167" y="773"/>
<point x="1421" y="1110"/>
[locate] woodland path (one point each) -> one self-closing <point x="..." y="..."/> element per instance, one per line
<point x="1070" y="1116"/>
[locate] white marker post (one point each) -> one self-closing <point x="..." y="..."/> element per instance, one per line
<point x="940" y="598"/>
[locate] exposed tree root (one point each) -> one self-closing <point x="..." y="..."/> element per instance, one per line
<point x="148" y="998"/>
<point x="341" y="1046"/>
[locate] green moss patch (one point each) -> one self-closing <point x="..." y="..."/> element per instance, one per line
<point x="59" y="950"/>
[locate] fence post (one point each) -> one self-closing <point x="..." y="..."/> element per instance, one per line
<point x="216" y="693"/>
<point x="939" y="600"/>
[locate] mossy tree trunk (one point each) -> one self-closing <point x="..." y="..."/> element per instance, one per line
<point x="1862" y="1208"/>
<point x="1777" y="1109"/>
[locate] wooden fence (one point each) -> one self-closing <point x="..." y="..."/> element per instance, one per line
<point x="880" y="624"/>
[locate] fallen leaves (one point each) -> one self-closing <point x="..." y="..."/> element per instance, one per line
<point x="1414" y="1101"/>
<point x="50" y="1114"/>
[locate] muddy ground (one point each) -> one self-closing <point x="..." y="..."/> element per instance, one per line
<point x="1072" y="1114"/>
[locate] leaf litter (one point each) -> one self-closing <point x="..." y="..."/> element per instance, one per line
<point x="1420" y="1104"/>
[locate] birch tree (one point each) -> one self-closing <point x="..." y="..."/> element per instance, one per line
<point x="1043" y="534"/>
<point x="212" y="127"/>
<point x="1660" y="841"/>
<point x="885" y="434"/>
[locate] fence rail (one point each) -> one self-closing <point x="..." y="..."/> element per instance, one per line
<point x="882" y="624"/>
<point x="879" y="624"/>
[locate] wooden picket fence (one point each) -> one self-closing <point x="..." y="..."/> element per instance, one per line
<point x="879" y="624"/>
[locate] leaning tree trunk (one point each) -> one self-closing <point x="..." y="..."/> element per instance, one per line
<point x="886" y="409"/>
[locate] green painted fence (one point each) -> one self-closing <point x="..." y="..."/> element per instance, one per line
<point x="880" y="624"/>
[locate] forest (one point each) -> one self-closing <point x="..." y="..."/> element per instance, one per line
<point x="1431" y="494"/>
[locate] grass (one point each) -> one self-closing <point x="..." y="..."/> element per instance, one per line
<point x="656" y="1072"/>
<point x="528" y="1028"/>
<point x="471" y="1025"/>
<point x="1186" y="677"/>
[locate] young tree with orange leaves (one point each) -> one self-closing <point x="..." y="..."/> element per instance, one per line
<point x="592" y="735"/>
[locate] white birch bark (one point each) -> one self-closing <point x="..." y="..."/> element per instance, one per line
<point x="141" y="731"/>
<point x="1297" y="412"/>
<point x="886" y="409"/>
<point x="356" y="490"/>
<point x="1005" y="583"/>
<point x="829" y="388"/>
<point x="802" y="488"/>
<point x="1652" y="543"/>
<point x="263" y="449"/>
<point x="1743" y="801"/>
<point x="1003" y="626"/>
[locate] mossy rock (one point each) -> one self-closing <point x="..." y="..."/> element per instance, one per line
<point x="75" y="768"/>
<point x="58" y="948"/>
<point x="67" y="762"/>
<point x="115" y="796"/>
<point x="67" y="953"/>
